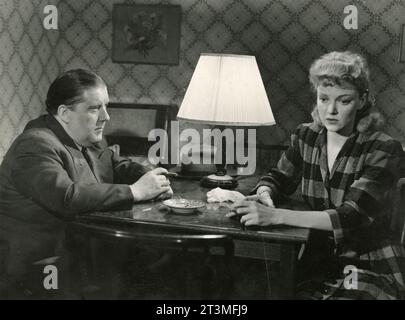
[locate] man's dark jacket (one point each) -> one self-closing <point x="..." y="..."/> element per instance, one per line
<point x="45" y="181"/>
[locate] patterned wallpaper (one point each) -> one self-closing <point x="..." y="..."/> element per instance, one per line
<point x="27" y="65"/>
<point x="284" y="35"/>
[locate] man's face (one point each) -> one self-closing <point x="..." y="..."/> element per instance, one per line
<point x="337" y="107"/>
<point x="88" y="118"/>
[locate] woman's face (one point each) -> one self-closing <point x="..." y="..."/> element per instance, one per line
<point x="337" y="106"/>
<point x="88" y="118"/>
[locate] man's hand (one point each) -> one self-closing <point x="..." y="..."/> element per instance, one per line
<point x="151" y="185"/>
<point x="166" y="195"/>
<point x="255" y="213"/>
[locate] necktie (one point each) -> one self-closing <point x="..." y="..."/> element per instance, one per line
<point x="86" y="156"/>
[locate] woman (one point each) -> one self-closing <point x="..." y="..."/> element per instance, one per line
<point x="346" y="168"/>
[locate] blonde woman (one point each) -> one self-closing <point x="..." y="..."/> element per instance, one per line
<point x="346" y="168"/>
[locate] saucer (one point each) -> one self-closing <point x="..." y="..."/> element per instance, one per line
<point x="183" y="206"/>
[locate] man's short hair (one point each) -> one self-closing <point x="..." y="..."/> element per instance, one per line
<point x="68" y="88"/>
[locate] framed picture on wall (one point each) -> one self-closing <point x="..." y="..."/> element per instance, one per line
<point x="402" y="44"/>
<point x="146" y="34"/>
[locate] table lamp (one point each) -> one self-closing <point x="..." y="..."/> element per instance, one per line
<point x="226" y="90"/>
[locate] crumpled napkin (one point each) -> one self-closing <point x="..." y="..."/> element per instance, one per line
<point x="221" y="195"/>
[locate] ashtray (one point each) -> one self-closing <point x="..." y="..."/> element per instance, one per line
<point x="183" y="206"/>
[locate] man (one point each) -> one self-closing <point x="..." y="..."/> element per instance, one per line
<point x="58" y="168"/>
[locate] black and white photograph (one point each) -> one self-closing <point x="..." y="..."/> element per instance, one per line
<point x="210" y="151"/>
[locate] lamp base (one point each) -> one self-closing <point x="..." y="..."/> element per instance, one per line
<point x="214" y="181"/>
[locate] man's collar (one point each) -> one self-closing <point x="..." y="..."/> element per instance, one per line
<point x="60" y="132"/>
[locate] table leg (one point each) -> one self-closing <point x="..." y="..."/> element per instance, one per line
<point x="81" y="268"/>
<point x="288" y="265"/>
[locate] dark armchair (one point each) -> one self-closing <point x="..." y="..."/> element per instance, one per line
<point x="131" y="123"/>
<point x="398" y="221"/>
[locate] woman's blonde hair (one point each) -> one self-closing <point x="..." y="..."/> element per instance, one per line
<point x="339" y="68"/>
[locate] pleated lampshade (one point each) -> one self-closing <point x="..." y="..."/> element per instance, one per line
<point x="226" y="89"/>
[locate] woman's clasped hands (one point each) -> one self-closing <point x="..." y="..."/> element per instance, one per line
<point x="256" y="210"/>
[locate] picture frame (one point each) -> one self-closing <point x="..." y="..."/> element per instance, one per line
<point x="402" y="44"/>
<point x="146" y="34"/>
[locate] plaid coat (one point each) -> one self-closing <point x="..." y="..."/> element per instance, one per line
<point x="356" y="195"/>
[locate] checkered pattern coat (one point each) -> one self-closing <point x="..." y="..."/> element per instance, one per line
<point x="356" y="195"/>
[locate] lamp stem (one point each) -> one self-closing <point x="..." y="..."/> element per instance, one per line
<point x="222" y="168"/>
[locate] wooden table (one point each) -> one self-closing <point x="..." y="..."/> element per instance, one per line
<point x="281" y="244"/>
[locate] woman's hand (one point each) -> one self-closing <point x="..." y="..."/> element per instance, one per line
<point x="263" y="196"/>
<point x="255" y="213"/>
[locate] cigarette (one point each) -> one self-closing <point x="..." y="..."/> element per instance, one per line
<point x="170" y="174"/>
